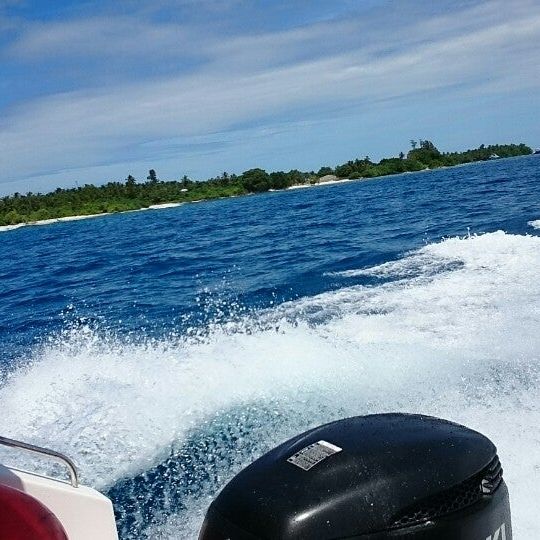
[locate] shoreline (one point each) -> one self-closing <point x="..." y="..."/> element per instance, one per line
<point x="163" y="206"/>
<point x="5" y="228"/>
<point x="51" y="221"/>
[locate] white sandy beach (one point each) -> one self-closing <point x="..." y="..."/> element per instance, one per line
<point x="5" y="228"/>
<point x="164" y="205"/>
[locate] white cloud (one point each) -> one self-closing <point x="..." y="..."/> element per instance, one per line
<point x="98" y="36"/>
<point x="248" y="79"/>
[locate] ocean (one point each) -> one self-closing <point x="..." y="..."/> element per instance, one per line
<point x="163" y="350"/>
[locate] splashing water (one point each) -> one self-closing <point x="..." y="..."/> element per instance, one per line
<point x="450" y="330"/>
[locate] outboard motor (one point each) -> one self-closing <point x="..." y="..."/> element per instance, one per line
<point x="385" y="476"/>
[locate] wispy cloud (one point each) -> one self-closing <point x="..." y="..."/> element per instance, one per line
<point x="100" y="36"/>
<point x="215" y="83"/>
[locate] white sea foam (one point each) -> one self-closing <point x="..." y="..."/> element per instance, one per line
<point x="454" y="334"/>
<point x="534" y="224"/>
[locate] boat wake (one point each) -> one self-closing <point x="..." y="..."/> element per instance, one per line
<point x="449" y="330"/>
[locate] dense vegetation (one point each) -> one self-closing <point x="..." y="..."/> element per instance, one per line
<point x="133" y="195"/>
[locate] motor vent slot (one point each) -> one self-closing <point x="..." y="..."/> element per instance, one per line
<point x="454" y="499"/>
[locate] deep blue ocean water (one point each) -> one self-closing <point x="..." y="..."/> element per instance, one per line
<point x="165" y="349"/>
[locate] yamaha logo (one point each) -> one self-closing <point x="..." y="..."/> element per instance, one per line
<point x="499" y="534"/>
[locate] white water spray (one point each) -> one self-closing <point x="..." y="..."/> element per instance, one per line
<point x="451" y="331"/>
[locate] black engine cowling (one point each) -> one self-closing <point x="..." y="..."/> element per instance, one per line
<point x="372" y="478"/>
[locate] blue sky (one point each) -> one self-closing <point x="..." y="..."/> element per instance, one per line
<point x="93" y="90"/>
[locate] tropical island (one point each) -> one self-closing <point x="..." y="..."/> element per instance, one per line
<point x="132" y="195"/>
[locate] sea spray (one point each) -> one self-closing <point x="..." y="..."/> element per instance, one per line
<point x="161" y="425"/>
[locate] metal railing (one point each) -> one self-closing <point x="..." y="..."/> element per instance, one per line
<point x="61" y="458"/>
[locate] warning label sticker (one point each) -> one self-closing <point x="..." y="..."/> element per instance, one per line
<point x="309" y="456"/>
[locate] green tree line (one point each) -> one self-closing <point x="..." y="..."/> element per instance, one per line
<point x="133" y="195"/>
